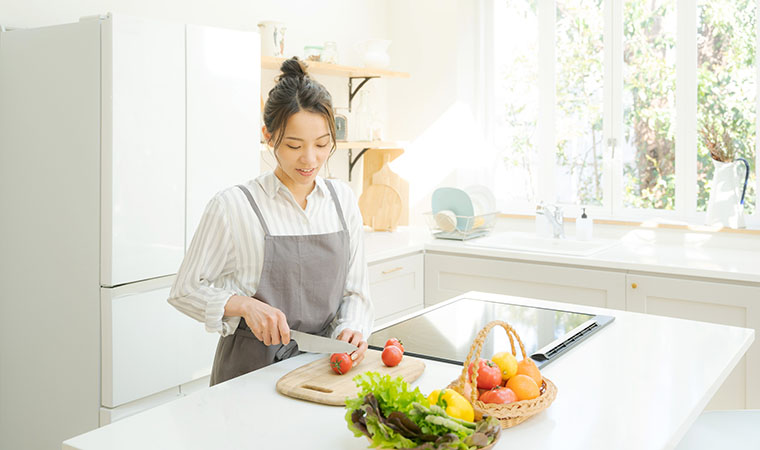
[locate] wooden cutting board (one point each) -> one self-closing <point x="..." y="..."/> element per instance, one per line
<point x="388" y="177"/>
<point x="316" y="381"/>
<point x="375" y="159"/>
<point x="380" y="206"/>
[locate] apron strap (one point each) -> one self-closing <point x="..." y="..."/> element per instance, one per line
<point x="255" y="208"/>
<point x="337" y="203"/>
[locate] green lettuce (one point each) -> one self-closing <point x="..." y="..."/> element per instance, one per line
<point x="394" y="416"/>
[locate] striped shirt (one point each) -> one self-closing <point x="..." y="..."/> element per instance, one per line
<point x="226" y="254"/>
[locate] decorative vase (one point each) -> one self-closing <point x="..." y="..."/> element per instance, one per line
<point x="726" y="204"/>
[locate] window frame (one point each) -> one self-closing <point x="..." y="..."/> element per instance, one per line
<point x="613" y="132"/>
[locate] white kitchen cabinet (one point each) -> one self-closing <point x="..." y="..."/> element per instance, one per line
<point x="447" y="276"/>
<point x="396" y="286"/>
<point x="223" y="114"/>
<point x="147" y="346"/>
<point x="724" y="303"/>
<point x="143" y="148"/>
<point x="110" y="415"/>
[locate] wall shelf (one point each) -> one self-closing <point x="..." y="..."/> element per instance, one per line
<point x="274" y="63"/>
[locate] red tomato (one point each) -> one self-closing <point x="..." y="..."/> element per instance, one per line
<point x="489" y="375"/>
<point x="499" y="395"/>
<point x="392" y="356"/>
<point x="396" y="342"/>
<point x="340" y="362"/>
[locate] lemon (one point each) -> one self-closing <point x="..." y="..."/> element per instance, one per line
<point x="507" y="364"/>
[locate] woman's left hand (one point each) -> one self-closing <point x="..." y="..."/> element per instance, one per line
<point x="356" y="338"/>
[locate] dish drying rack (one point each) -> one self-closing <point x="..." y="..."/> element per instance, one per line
<point x="467" y="227"/>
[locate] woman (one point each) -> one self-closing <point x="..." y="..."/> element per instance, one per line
<point x="285" y="250"/>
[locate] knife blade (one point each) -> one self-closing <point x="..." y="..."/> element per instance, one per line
<point x="318" y="344"/>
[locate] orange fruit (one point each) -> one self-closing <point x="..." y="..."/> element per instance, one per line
<point x="528" y="367"/>
<point x="524" y="387"/>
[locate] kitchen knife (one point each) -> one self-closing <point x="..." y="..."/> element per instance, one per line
<point x="318" y="344"/>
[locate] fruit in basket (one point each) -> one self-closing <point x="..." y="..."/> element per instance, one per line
<point x="507" y="364"/>
<point x="499" y="395"/>
<point x="396" y="342"/>
<point x="340" y="362"/>
<point x="524" y="387"/>
<point x="529" y="368"/>
<point x="489" y="375"/>
<point x="391" y="355"/>
<point x="453" y="402"/>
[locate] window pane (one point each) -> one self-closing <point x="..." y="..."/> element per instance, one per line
<point x="726" y="91"/>
<point x="579" y="109"/>
<point x="516" y="83"/>
<point x="649" y="86"/>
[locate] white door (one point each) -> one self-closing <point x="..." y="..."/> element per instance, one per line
<point x="223" y="114"/>
<point x="143" y="149"/>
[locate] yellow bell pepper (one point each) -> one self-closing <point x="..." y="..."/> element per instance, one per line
<point x="456" y="405"/>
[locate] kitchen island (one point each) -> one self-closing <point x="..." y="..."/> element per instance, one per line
<point x="639" y="383"/>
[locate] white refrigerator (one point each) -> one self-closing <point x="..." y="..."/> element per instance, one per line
<point x="115" y="132"/>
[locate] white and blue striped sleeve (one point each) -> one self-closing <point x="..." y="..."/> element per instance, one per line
<point x="210" y="256"/>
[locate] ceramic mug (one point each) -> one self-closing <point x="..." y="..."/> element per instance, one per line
<point x="374" y="53"/>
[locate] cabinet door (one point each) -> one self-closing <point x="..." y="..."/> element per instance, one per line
<point x="447" y="276"/>
<point x="396" y="286"/>
<point x="143" y="149"/>
<point x="716" y="302"/>
<point x="147" y="345"/>
<point x="223" y="114"/>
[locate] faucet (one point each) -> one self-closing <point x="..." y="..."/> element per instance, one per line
<point x="554" y="216"/>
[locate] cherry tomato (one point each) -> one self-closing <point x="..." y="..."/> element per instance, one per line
<point x="392" y="355"/>
<point x="340" y="363"/>
<point x="498" y="395"/>
<point x="489" y="375"/>
<point x="395" y="342"/>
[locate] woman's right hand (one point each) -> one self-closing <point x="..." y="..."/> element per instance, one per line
<point x="267" y="323"/>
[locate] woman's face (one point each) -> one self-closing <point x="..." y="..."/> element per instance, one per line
<point x="305" y="147"/>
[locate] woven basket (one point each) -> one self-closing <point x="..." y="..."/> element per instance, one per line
<point x="509" y="414"/>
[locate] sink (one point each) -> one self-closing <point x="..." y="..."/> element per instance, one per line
<point x="529" y="242"/>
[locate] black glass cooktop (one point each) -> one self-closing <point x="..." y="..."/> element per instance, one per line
<point x="446" y="333"/>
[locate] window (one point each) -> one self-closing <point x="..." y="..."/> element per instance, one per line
<point x="613" y="105"/>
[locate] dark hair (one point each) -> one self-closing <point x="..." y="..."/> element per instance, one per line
<point x="295" y="91"/>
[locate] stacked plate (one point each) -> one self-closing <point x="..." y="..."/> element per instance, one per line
<point x="459" y="213"/>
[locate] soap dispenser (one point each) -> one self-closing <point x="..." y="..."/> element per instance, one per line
<point x="584" y="227"/>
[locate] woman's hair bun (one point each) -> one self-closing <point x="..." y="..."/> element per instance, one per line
<point x="293" y="67"/>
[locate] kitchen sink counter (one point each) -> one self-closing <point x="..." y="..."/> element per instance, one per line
<point x="639" y="383"/>
<point x="694" y="254"/>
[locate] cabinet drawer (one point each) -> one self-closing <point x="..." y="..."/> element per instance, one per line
<point x="447" y="276"/>
<point x="396" y="285"/>
<point x="147" y="345"/>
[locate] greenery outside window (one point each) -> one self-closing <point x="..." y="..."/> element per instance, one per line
<point x="606" y="104"/>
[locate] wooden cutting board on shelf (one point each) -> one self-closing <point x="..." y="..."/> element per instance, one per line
<point x="316" y="381"/>
<point x="375" y="159"/>
<point x="389" y="178"/>
<point x="380" y="206"/>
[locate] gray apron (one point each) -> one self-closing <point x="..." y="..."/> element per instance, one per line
<point x="304" y="276"/>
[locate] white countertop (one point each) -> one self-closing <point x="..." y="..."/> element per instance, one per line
<point x="693" y="254"/>
<point x="639" y="383"/>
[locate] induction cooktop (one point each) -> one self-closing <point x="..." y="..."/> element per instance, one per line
<point x="446" y="333"/>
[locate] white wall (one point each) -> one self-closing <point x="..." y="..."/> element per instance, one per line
<point x="437" y="110"/>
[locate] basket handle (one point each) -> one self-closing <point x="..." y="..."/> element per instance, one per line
<point x="477" y="347"/>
